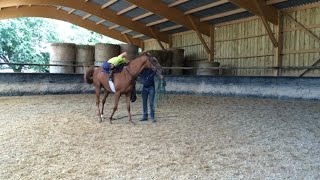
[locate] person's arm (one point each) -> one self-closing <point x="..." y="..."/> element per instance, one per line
<point x="123" y="57"/>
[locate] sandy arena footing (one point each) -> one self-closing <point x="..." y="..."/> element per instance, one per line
<point x="195" y="137"/>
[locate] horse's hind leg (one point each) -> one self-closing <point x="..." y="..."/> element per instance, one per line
<point x="98" y="88"/>
<point x="106" y="94"/>
<point x="115" y="107"/>
<point x="128" y="97"/>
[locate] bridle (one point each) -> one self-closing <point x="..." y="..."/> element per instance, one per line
<point x="155" y="66"/>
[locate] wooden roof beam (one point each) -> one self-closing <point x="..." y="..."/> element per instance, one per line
<point x="271" y="13"/>
<point x="95" y="10"/>
<point x="51" y="12"/>
<point x="173" y="14"/>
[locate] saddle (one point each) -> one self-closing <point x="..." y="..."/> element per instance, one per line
<point x="106" y="68"/>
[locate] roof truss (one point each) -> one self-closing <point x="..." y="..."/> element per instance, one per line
<point x="51" y="12"/>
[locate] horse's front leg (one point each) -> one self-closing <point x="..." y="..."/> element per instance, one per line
<point x="115" y="107"/>
<point x="128" y="97"/>
<point x="106" y="94"/>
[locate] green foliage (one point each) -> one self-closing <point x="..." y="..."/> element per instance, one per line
<point x="25" y="40"/>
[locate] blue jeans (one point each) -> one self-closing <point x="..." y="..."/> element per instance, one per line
<point x="148" y="91"/>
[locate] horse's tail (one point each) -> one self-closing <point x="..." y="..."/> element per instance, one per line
<point x="88" y="75"/>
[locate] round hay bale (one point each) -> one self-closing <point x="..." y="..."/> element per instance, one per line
<point x="208" y="72"/>
<point x="132" y="50"/>
<point x="64" y="54"/>
<point x="104" y="52"/>
<point x="84" y="56"/>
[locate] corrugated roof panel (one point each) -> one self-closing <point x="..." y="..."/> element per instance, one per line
<point x="164" y="25"/>
<point x="168" y="1"/>
<point x="231" y="18"/>
<point x="194" y="4"/>
<point x="135" y="12"/>
<point x="107" y="23"/>
<point x="79" y="13"/>
<point x="66" y="9"/>
<point x="94" y="18"/>
<point x="119" y="5"/>
<point x="121" y="28"/>
<point x="293" y="3"/>
<point x="144" y="38"/>
<point x="182" y="29"/>
<point x="99" y="2"/>
<point x="133" y="33"/>
<point x="150" y="19"/>
<point x="216" y="10"/>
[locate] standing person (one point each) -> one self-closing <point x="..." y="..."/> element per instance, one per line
<point x="148" y="91"/>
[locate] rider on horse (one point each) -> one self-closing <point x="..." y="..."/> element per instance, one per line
<point x="114" y="62"/>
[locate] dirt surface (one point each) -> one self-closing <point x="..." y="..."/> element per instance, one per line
<point x="195" y="137"/>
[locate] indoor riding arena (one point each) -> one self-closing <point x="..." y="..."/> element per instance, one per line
<point x="240" y="97"/>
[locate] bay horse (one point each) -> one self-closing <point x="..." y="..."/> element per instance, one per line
<point x="124" y="81"/>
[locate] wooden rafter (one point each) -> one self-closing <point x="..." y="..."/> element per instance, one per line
<point x="93" y="9"/>
<point x="263" y="17"/>
<point x="126" y="31"/>
<point x="157" y="22"/>
<point x="236" y="11"/>
<point x="114" y="26"/>
<point x="270" y="12"/>
<point x="207" y="6"/>
<point x="109" y="3"/>
<point x="160" y="8"/>
<point x="142" y="16"/>
<point x="220" y="15"/>
<point x="170" y="28"/>
<point x="126" y="10"/>
<point x="86" y="16"/>
<point x="128" y="39"/>
<point x="51" y="12"/>
<point x="199" y="35"/>
<point x="71" y="11"/>
<point x="156" y="38"/>
<point x="101" y="21"/>
<point x="177" y="3"/>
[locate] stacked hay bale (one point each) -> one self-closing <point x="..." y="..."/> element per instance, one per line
<point x="177" y="60"/>
<point x="132" y="51"/>
<point x="207" y="72"/>
<point x="104" y="52"/>
<point x="62" y="54"/>
<point x="164" y="57"/>
<point x="84" y="57"/>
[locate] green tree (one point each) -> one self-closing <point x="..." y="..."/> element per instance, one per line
<point x="22" y="41"/>
<point x="25" y="40"/>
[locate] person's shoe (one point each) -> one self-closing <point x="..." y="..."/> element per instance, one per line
<point x="153" y="120"/>
<point x="144" y="119"/>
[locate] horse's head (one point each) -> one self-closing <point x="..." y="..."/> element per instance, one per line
<point x="152" y="63"/>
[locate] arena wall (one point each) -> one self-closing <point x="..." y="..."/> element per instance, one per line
<point x="263" y="87"/>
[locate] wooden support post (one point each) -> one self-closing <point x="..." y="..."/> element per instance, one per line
<point x="156" y="38"/>
<point x="212" y="31"/>
<point x="170" y="41"/>
<point x="278" y="50"/>
<point x="311" y="34"/>
<point x="265" y="23"/>
<point x="199" y="35"/>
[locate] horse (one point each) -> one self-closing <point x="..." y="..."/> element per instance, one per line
<point x="124" y="81"/>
